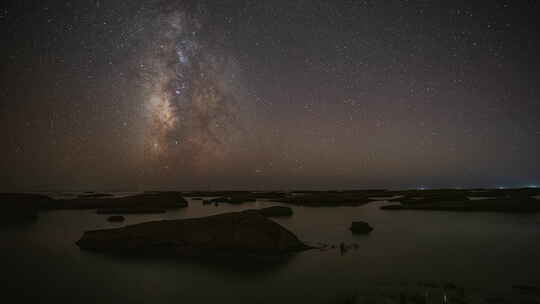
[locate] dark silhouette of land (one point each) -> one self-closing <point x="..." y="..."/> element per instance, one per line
<point x="246" y="233"/>
<point x="25" y="207"/>
<point x="520" y="200"/>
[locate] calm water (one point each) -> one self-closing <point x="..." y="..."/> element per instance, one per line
<point x="484" y="252"/>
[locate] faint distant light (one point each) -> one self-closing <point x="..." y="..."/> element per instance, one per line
<point x="421" y="188"/>
<point x="501" y="187"/>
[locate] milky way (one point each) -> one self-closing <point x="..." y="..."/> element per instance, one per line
<point x="193" y="96"/>
<point x="281" y="94"/>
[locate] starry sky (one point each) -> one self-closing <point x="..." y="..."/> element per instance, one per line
<point x="165" y="94"/>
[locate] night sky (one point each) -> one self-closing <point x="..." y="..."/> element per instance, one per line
<point x="134" y="95"/>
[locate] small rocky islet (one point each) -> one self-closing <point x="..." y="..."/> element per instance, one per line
<point x="360" y="227"/>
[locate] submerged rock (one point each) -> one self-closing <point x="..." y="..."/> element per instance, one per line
<point x="246" y="233"/>
<point x="360" y="227"/>
<point x="115" y="218"/>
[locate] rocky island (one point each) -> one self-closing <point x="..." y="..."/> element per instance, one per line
<point x="237" y="233"/>
<point x="360" y="227"/>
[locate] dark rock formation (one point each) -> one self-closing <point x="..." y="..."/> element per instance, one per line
<point x="412" y="197"/>
<point x="360" y="227"/>
<point x="244" y="233"/>
<point x="332" y="198"/>
<point x="497" y="200"/>
<point x="513" y="204"/>
<point x="392" y="207"/>
<point x="527" y="289"/>
<point x="22" y="207"/>
<point x="94" y="195"/>
<point x="115" y="218"/>
<point x="25" y="200"/>
<point x="17" y="216"/>
<point x="239" y="196"/>
<point x="137" y="210"/>
<point x="276" y="211"/>
<point x="235" y="199"/>
<point x="152" y="200"/>
<point x="219" y="200"/>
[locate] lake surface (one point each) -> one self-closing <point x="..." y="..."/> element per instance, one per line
<point x="486" y="253"/>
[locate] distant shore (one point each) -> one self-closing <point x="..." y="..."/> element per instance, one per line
<point x="25" y="207"/>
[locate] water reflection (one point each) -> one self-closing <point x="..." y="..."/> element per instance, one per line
<point x="481" y="253"/>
